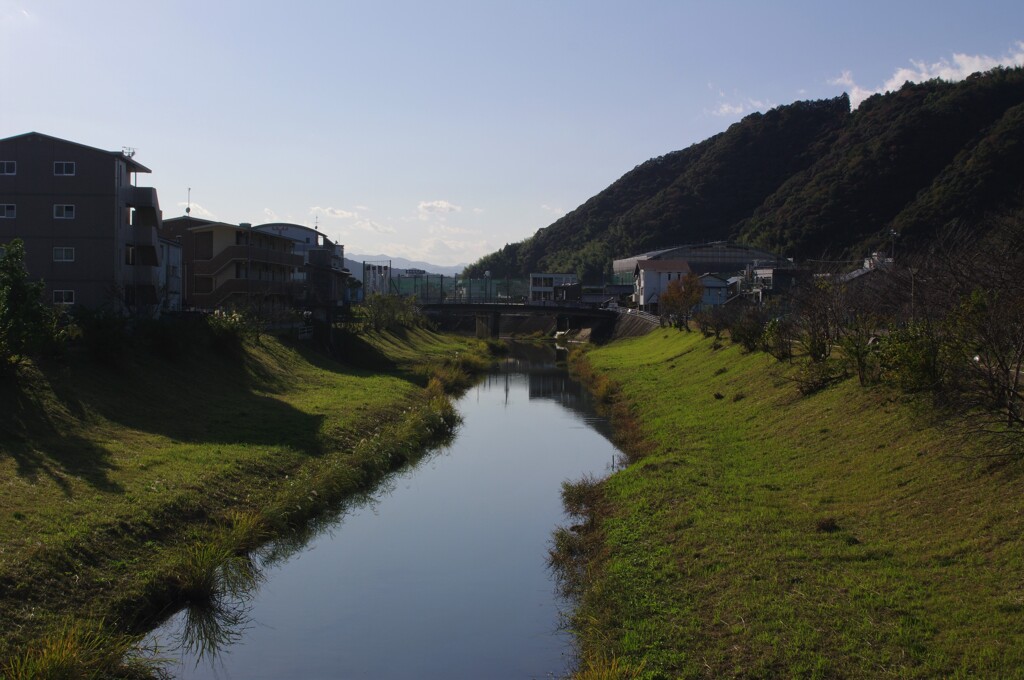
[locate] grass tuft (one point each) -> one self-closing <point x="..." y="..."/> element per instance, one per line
<point x="77" y="650"/>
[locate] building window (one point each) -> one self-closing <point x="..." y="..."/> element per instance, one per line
<point x="129" y="254"/>
<point x="63" y="168"/>
<point x="8" y="211"/>
<point x="63" y="211"/>
<point x="63" y="297"/>
<point x="63" y="254"/>
<point x="8" y="167"/>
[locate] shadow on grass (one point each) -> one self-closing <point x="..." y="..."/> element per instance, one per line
<point x="53" y="417"/>
<point x="34" y="433"/>
<point x="47" y="414"/>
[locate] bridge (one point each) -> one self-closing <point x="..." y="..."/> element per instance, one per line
<point x="489" y="315"/>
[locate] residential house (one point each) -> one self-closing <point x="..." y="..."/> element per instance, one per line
<point x="651" y="278"/>
<point x="90" y="232"/>
<point x="322" y="281"/>
<point x="545" y="287"/>
<point x="716" y="290"/>
<point x="229" y="266"/>
<point x="769" y="281"/>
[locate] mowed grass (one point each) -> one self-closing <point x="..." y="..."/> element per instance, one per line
<point x="767" y="534"/>
<point x="105" y="471"/>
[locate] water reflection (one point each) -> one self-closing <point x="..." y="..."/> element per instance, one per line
<point x="547" y="378"/>
<point x="440" y="572"/>
<point x="218" y="585"/>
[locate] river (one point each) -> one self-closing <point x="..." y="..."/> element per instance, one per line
<point x="441" y="572"/>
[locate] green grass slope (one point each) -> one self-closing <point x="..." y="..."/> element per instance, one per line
<point x="108" y="472"/>
<point x="767" y="534"/>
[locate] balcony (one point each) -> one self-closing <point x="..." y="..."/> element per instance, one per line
<point x="241" y="291"/>
<point x="244" y="253"/>
<point x="147" y="207"/>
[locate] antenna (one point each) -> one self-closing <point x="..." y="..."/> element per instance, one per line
<point x="188" y="204"/>
<point x="316" y="223"/>
<point x="128" y="151"/>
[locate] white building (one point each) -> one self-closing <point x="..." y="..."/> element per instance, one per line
<point x="651" y="278"/>
<point x="543" y="285"/>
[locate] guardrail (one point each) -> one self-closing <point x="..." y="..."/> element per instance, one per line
<point x="638" y="314"/>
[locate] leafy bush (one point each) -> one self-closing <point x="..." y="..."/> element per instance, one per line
<point x="815" y="376"/>
<point x="777" y="338"/>
<point x="391" y="312"/>
<point x="228" y="330"/>
<point x="27" y="325"/>
<point x="910" y="357"/>
<point x="747" y="328"/>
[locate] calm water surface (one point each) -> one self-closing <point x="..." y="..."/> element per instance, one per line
<point x="442" y="572"/>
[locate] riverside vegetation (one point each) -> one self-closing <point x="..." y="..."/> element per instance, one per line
<point x="137" y="471"/>
<point x="765" y="532"/>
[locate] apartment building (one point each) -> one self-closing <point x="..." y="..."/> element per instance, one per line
<point x="322" y="281"/>
<point x="233" y="266"/>
<point x="90" y="233"/>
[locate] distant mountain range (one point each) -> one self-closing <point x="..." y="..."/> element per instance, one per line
<point x="808" y="180"/>
<point x="354" y="263"/>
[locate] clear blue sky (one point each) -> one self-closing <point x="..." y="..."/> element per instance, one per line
<point x="442" y="130"/>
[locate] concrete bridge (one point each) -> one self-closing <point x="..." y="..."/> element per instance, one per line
<point x="491" y="316"/>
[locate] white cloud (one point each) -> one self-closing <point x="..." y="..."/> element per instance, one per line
<point x="441" y="228"/>
<point x="726" y="109"/>
<point x="961" y="66"/>
<point x="271" y="215"/>
<point x="557" y="212"/>
<point x="335" y="213"/>
<point x="196" y="210"/>
<point x="478" y="211"/>
<point x="440" y="208"/>
<point x="374" y="227"/>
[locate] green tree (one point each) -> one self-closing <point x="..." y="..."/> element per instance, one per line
<point x="26" y="324"/>
<point x="677" y="301"/>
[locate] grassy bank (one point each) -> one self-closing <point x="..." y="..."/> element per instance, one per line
<point x="763" y="533"/>
<point x="112" y="475"/>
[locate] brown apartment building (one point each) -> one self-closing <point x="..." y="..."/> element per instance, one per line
<point x="90" y="233"/>
<point x="233" y="266"/>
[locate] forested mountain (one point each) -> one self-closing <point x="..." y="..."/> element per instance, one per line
<point x="806" y="180"/>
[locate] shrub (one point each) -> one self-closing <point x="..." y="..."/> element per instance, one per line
<point x="815" y="376"/>
<point x="911" y="357"/>
<point x="777" y="338"/>
<point x="26" y="323"/>
<point x="228" y="330"/>
<point x="748" y="328"/>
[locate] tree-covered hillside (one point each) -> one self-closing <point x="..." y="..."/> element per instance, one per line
<point x="807" y="179"/>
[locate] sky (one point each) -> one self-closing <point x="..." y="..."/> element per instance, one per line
<point x="441" y="130"/>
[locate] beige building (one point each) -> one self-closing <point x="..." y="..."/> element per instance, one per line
<point x="90" y="232"/>
<point x="233" y="266"/>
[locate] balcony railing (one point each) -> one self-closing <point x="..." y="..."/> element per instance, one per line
<point x="243" y="253"/>
<point x="242" y="290"/>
